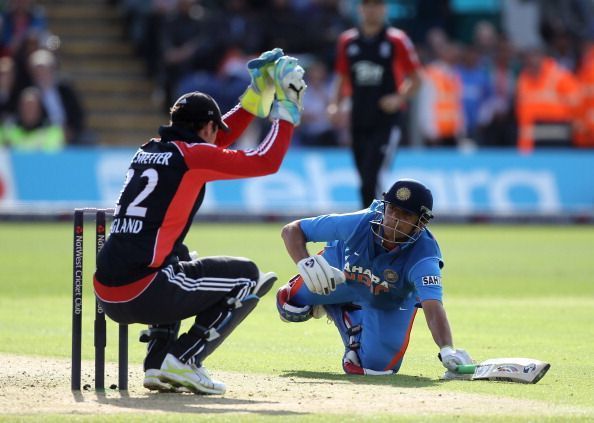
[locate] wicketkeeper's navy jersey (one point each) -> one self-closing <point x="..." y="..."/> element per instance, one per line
<point x="164" y="188"/>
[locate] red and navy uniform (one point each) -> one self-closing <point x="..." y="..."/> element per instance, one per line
<point x="164" y="189"/>
<point x="144" y="272"/>
<point x="371" y="68"/>
<point x="374" y="67"/>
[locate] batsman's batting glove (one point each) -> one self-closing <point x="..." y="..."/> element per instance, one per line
<point x="451" y="357"/>
<point x="319" y="277"/>
<point x="257" y="98"/>
<point x="289" y="88"/>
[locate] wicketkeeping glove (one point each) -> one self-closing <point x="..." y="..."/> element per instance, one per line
<point x="289" y="88"/>
<point x="451" y="357"/>
<point x="319" y="277"/>
<point x="257" y="98"/>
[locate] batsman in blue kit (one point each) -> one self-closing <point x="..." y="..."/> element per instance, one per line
<point x="379" y="266"/>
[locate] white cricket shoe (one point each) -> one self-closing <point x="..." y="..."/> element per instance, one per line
<point x="450" y="375"/>
<point x="190" y="376"/>
<point x="153" y="382"/>
<point x="265" y="282"/>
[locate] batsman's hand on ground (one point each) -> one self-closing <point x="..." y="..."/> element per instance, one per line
<point x="451" y="357"/>
<point x="259" y="95"/>
<point x="289" y="88"/>
<point x="319" y="277"/>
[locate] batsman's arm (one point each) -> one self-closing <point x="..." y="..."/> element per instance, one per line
<point x="295" y="241"/>
<point x="438" y="323"/>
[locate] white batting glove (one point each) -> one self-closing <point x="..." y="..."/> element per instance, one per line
<point x="451" y="357"/>
<point x="319" y="277"/>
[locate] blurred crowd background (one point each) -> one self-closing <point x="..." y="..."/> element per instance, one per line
<point x="517" y="73"/>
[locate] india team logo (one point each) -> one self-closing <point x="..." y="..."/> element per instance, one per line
<point x="390" y="276"/>
<point x="403" y="194"/>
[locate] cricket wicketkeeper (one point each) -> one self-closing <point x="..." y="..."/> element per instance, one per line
<point x="145" y="274"/>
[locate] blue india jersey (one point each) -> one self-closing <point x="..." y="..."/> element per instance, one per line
<point x="376" y="277"/>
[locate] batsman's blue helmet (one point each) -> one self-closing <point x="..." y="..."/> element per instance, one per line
<point x="411" y="196"/>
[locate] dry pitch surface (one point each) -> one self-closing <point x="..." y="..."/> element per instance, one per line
<point x="30" y="385"/>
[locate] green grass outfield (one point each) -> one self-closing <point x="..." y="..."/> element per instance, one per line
<point x="524" y="291"/>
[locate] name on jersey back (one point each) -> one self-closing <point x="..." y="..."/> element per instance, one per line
<point x="142" y="157"/>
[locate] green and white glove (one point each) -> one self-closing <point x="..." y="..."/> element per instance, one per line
<point x="257" y="98"/>
<point x="289" y="88"/>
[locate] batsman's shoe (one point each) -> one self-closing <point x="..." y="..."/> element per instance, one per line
<point x="153" y="382"/>
<point x="289" y="88"/>
<point x="265" y="282"/>
<point x="452" y="375"/>
<point x="190" y="376"/>
<point x="259" y="95"/>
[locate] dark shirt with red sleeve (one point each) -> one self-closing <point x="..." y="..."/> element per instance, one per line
<point x="373" y="67"/>
<point x="165" y="186"/>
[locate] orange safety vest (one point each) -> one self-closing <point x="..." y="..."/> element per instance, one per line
<point x="585" y="128"/>
<point x="551" y="96"/>
<point x="448" y="105"/>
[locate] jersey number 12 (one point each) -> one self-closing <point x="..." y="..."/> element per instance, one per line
<point x="133" y="208"/>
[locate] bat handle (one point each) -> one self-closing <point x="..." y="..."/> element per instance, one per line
<point x="465" y="369"/>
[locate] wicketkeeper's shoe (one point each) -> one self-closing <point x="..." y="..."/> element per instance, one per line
<point x="265" y="282"/>
<point x="190" y="376"/>
<point x="153" y="383"/>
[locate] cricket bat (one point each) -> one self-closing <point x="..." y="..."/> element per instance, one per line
<point x="520" y="370"/>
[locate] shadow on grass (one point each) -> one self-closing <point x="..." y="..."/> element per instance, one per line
<point x="398" y="380"/>
<point x="189" y="403"/>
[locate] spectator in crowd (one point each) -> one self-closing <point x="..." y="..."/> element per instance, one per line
<point x="20" y="18"/>
<point x="59" y="98"/>
<point x="316" y="129"/>
<point x="32" y="131"/>
<point x="148" y="31"/>
<point x="8" y="91"/>
<point x="430" y="14"/>
<point x="500" y="129"/>
<point x="485" y="41"/>
<point x="467" y="13"/>
<point x="476" y="91"/>
<point x="190" y="38"/>
<point x="572" y="18"/>
<point x="240" y="26"/>
<point x="379" y="67"/>
<point x="585" y="130"/>
<point x="547" y="103"/>
<point x="283" y="27"/>
<point x="520" y="20"/>
<point x="441" y="115"/>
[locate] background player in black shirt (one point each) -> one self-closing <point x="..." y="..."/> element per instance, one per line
<point x="377" y="66"/>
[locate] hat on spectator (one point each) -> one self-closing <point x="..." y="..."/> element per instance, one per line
<point x="197" y="107"/>
<point x="43" y="58"/>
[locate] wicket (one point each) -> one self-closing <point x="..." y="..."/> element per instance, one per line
<point x="100" y="333"/>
